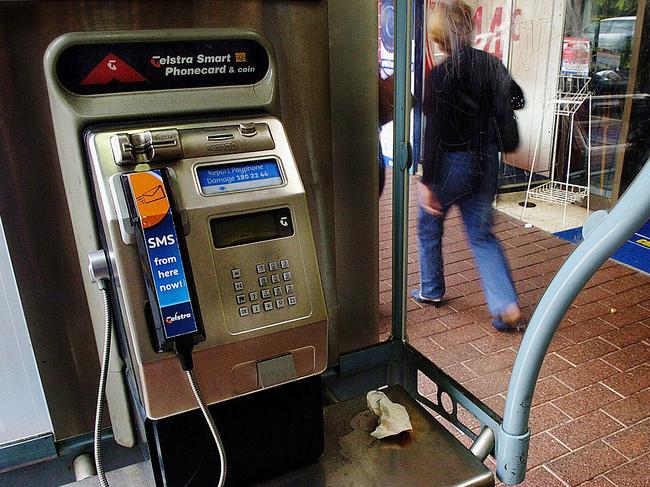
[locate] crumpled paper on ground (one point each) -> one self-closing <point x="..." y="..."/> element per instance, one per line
<point x="393" y="418"/>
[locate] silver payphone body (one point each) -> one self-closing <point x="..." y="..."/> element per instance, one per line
<point x="243" y="218"/>
<point x="177" y="165"/>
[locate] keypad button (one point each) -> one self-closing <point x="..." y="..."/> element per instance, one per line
<point x="264" y="281"/>
<point x="284" y="264"/>
<point x="289" y="288"/>
<point x="273" y="266"/>
<point x="256" y="308"/>
<point x="243" y="311"/>
<point x="292" y="300"/>
<point x="239" y="286"/>
<point x="279" y="303"/>
<point x="241" y="299"/>
<point x="266" y="294"/>
<point x="236" y="273"/>
<point x="277" y="291"/>
<point x="253" y="296"/>
<point x="260" y="268"/>
<point x="275" y="278"/>
<point x="268" y="305"/>
<point x="287" y="276"/>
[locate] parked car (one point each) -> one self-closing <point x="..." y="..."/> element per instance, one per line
<point x="613" y="34"/>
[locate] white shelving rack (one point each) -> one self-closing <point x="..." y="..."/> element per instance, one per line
<point x="571" y="94"/>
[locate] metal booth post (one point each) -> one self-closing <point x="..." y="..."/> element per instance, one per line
<point x="402" y="158"/>
<point x="603" y="233"/>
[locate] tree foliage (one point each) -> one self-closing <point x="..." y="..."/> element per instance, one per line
<point x="614" y="8"/>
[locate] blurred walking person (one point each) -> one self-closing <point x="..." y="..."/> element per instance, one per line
<point x="468" y="104"/>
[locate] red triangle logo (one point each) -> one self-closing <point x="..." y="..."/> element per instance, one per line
<point x="112" y="68"/>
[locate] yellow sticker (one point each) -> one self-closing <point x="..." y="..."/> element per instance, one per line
<point x="644" y="241"/>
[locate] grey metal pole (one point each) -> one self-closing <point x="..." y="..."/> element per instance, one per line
<point x="631" y="211"/>
<point x="401" y="163"/>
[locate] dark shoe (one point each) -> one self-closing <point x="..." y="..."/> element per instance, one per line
<point x="416" y="294"/>
<point x="501" y="326"/>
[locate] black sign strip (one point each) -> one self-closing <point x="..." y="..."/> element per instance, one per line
<point x="94" y="69"/>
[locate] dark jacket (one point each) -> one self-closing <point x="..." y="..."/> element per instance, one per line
<point x="468" y="104"/>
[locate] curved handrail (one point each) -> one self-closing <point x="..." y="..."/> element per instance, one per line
<point x="631" y="211"/>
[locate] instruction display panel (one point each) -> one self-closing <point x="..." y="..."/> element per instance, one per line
<point x="223" y="178"/>
<point x="163" y="252"/>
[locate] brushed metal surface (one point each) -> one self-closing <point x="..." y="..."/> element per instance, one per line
<point x="268" y="334"/>
<point x="354" y="101"/>
<point x="428" y="456"/>
<point x="32" y="196"/>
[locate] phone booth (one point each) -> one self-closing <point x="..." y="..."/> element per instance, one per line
<point x="235" y="311"/>
<point x="206" y="243"/>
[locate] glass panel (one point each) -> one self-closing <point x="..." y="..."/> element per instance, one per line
<point x="623" y="27"/>
<point x="559" y="52"/>
<point x="385" y="162"/>
<point x="609" y="70"/>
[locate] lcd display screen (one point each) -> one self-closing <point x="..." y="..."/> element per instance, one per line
<point x="251" y="227"/>
<point x="239" y="176"/>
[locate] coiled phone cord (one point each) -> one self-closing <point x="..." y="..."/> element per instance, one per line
<point x="213" y="428"/>
<point x="99" y="411"/>
<point x="101" y="393"/>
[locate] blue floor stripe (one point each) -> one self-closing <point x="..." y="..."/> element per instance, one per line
<point x="635" y="252"/>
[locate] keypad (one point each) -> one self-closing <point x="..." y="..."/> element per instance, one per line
<point x="274" y="273"/>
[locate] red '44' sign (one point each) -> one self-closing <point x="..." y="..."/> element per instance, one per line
<point x="489" y="40"/>
<point x="484" y="41"/>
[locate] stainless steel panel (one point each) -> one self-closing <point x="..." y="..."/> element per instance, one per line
<point x="300" y="35"/>
<point x="354" y="102"/>
<point x="23" y="410"/>
<point x="212" y="267"/>
<point x="26" y="29"/>
<point x="430" y="455"/>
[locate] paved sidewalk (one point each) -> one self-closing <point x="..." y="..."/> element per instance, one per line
<point x="590" y="420"/>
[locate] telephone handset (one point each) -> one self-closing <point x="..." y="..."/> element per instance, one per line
<point x="167" y="270"/>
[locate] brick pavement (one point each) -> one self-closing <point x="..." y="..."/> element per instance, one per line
<point x="590" y="420"/>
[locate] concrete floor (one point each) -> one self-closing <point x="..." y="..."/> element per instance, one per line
<point x="545" y="216"/>
<point x="590" y="419"/>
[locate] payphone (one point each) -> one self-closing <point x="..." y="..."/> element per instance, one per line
<point x="203" y="219"/>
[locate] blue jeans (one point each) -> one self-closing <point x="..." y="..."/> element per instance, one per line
<point x="473" y="191"/>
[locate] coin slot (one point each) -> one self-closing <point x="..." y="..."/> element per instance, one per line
<point x="219" y="137"/>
